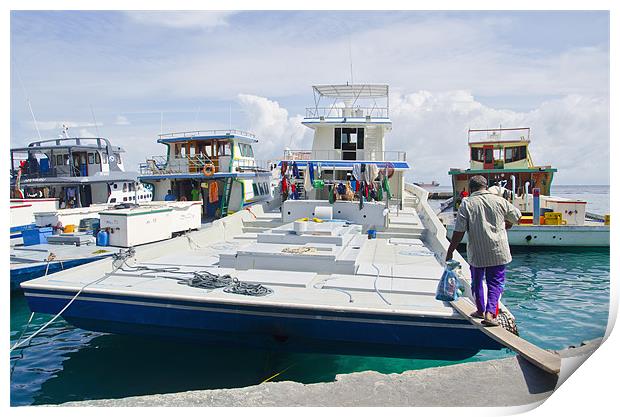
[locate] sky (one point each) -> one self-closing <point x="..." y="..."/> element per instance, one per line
<point x="125" y="75"/>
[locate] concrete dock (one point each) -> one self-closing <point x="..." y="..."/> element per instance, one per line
<point x="502" y="382"/>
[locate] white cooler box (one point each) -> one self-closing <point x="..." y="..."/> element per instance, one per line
<point x="136" y="226"/>
<point x="69" y="216"/>
<point x="186" y="215"/>
<point x="573" y="211"/>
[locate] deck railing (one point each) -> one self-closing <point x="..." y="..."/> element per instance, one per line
<point x="160" y="165"/>
<point x="339" y="155"/>
<point x="212" y="132"/>
<point x="340" y="112"/>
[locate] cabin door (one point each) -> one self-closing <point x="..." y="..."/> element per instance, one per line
<point x="487" y="154"/>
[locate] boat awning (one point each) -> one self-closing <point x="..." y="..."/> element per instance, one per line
<point x="242" y="139"/>
<point x="342" y="165"/>
<point x="500" y="171"/>
<point x="202" y="177"/>
<point x="352" y="91"/>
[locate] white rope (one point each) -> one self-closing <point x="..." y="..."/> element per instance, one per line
<point x="98" y="280"/>
<point x="377" y="277"/>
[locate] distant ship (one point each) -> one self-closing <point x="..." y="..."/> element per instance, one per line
<point x="432" y="184"/>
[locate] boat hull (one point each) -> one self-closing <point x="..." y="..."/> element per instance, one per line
<point x="270" y="327"/>
<point x="578" y="236"/>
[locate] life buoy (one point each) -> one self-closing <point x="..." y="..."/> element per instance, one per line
<point x="208" y="170"/>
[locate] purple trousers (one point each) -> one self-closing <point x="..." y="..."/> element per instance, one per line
<point x="495" y="277"/>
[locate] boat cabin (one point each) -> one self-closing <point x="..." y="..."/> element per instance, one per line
<point x="502" y="156"/>
<point x="215" y="166"/>
<point x="77" y="171"/>
<point x="350" y="123"/>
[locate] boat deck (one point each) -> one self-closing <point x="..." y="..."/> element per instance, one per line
<point x="407" y="272"/>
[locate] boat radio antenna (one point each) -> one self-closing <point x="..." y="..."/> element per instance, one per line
<point x="21" y="83"/>
<point x="350" y="59"/>
<point x="92" y="112"/>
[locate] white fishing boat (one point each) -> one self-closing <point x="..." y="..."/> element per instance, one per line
<point x="503" y="157"/>
<point x="217" y="167"/>
<point x="327" y="273"/>
<point x="48" y="176"/>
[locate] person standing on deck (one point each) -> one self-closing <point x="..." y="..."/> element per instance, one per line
<point x="170" y="196"/>
<point x="485" y="217"/>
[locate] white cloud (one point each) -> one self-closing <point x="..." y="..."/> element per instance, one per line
<point x="121" y="120"/>
<point x="570" y="133"/>
<point x="274" y="127"/>
<point x="182" y="19"/>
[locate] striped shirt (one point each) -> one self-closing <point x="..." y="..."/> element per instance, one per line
<point x="482" y="216"/>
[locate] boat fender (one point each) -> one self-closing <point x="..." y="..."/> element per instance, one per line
<point x="208" y="170"/>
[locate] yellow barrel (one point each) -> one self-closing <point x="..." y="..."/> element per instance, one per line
<point x="607" y="220"/>
<point x="70" y="228"/>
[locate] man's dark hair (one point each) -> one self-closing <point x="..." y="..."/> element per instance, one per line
<point x="477" y="183"/>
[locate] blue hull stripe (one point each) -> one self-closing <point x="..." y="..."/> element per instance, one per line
<point x="382" y="334"/>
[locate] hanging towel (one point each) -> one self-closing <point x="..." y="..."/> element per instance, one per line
<point x="295" y="170"/>
<point x="283" y="168"/>
<point x="307" y="180"/>
<point x="386" y="187"/>
<point x="332" y="194"/>
<point x="357" y="172"/>
<point x="373" y="172"/>
<point x="311" y="170"/>
<point x="318" y="170"/>
<point x="213" y="192"/>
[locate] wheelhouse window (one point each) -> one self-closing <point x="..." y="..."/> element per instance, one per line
<point x="349" y="135"/>
<point x="516" y="153"/>
<point x="97" y="158"/>
<point x="477" y="154"/>
<point x="91" y="158"/>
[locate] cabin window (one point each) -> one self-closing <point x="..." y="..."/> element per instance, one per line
<point x="476" y="154"/>
<point x="60" y="160"/>
<point x="516" y="153"/>
<point x="118" y="158"/>
<point x="192" y="149"/>
<point x="113" y="200"/>
<point x="91" y="158"/>
<point x="97" y="158"/>
<point x="254" y="188"/>
<point x="349" y="135"/>
<point x="105" y="157"/>
<point x="360" y="138"/>
<point x="223" y="148"/>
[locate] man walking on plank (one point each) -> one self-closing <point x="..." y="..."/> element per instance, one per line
<point x="485" y="217"/>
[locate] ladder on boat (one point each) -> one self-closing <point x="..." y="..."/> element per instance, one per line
<point x="546" y="360"/>
<point x="226" y="192"/>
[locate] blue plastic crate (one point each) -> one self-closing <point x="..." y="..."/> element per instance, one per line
<point x="36" y="236"/>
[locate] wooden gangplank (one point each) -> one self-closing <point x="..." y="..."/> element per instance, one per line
<point x="541" y="358"/>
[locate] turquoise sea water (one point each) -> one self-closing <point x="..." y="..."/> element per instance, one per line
<point x="560" y="297"/>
